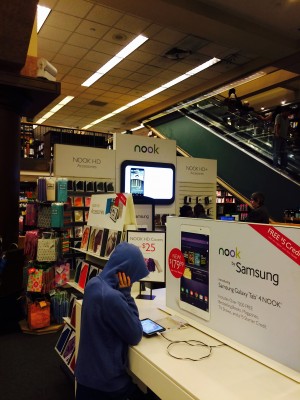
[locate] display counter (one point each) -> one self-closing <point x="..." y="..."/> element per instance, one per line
<point x="227" y="374"/>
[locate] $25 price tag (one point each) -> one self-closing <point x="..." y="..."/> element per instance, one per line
<point x="148" y="246"/>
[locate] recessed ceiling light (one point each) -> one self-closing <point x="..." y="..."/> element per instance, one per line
<point x="119" y="37"/>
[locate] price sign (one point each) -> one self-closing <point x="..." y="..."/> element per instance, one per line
<point x="148" y="247"/>
<point x="176" y="263"/>
<point x="152" y="245"/>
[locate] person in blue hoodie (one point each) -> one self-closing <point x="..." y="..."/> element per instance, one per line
<point x="109" y="325"/>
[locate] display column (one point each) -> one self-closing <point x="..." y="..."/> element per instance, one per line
<point x="11" y="104"/>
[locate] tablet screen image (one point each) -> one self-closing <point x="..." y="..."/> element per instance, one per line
<point x="194" y="284"/>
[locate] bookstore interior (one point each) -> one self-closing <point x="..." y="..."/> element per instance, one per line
<point x="205" y="282"/>
<point x="218" y="306"/>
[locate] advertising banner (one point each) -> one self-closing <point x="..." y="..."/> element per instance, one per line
<point x="153" y="247"/>
<point x="241" y="283"/>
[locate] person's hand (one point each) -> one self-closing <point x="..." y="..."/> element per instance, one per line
<point x="124" y="281"/>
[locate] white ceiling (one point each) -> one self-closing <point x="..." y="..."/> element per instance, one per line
<point x="80" y="36"/>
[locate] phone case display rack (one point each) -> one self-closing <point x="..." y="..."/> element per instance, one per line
<point x="57" y="218"/>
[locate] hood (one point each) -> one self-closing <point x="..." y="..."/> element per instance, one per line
<point x="127" y="258"/>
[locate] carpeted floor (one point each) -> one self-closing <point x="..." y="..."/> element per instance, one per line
<point x="30" y="368"/>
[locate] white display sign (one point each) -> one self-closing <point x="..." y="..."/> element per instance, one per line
<point x="144" y="216"/>
<point x="152" y="245"/>
<point x="241" y="283"/>
<point x="84" y="162"/>
<point x="144" y="149"/>
<point x="112" y="211"/>
<point x="189" y="169"/>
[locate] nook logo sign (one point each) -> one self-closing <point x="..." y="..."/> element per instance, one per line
<point x="246" y="270"/>
<point x="146" y="149"/>
<point x="234" y="253"/>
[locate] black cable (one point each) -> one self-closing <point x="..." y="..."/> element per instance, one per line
<point x="190" y="342"/>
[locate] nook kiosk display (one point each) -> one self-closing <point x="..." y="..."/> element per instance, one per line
<point x="240" y="283"/>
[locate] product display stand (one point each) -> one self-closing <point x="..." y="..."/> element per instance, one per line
<point x="108" y="217"/>
<point x="145" y="296"/>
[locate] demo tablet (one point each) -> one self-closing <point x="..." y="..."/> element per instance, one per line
<point x="150" y="327"/>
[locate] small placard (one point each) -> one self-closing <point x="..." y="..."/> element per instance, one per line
<point x="153" y="248"/>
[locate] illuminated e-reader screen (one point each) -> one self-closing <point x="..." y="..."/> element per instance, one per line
<point x="154" y="180"/>
<point x="194" y="284"/>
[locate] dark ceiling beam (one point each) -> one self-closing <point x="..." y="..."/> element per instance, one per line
<point x="17" y="20"/>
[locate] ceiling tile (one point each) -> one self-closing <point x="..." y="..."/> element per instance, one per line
<point x="108" y="47"/>
<point x="88" y="65"/>
<point x="83" y="41"/>
<point x="65" y="60"/>
<point x="73" y="51"/>
<point x="169" y="36"/>
<point x="132" y="24"/>
<point x="141" y="56"/>
<point x="50" y="45"/>
<point x="60" y="20"/>
<point x="104" y="15"/>
<point x="89" y="28"/>
<point x="78" y="8"/>
<point x="53" y="33"/>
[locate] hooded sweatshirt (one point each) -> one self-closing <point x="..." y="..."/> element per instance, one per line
<point x="110" y="322"/>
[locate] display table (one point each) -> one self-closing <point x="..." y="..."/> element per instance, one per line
<point x="227" y="374"/>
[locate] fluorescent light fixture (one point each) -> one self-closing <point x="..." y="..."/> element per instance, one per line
<point x="154" y="92"/>
<point x="137" y="42"/>
<point x="134" y="102"/>
<point x="42" y="14"/>
<point x="54" y="109"/>
<point x="192" y="72"/>
<point x="165" y="86"/>
<point x="135" y="129"/>
<point x="175" y="81"/>
<point x="138" y="128"/>
<point x="215" y="92"/>
<point x="203" y="66"/>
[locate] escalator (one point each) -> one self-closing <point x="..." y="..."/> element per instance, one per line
<point x="242" y="145"/>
